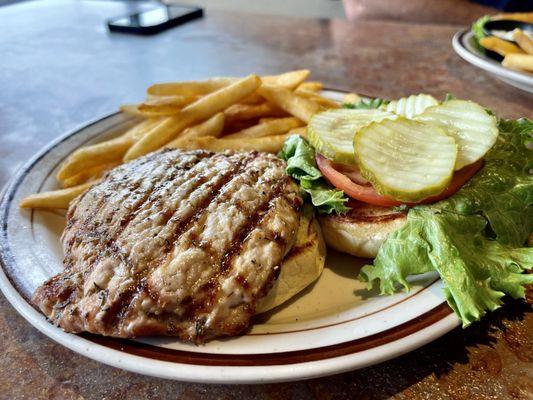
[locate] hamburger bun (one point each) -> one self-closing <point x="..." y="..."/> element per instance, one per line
<point x="302" y="265"/>
<point x="362" y="230"/>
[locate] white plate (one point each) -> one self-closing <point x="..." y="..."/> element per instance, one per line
<point x="333" y="326"/>
<point x="463" y="44"/>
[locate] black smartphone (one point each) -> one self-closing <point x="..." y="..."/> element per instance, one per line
<point x="154" y="20"/>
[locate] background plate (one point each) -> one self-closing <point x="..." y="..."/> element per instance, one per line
<point x="464" y="46"/>
<point x="333" y="326"/>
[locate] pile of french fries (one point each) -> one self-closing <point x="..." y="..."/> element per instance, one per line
<point x="517" y="56"/>
<point x="251" y="113"/>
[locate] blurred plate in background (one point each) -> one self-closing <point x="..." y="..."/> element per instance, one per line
<point x="463" y="44"/>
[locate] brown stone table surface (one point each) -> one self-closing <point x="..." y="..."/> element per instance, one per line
<point x="60" y="68"/>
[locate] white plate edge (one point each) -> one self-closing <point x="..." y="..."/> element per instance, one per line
<point x="486" y="65"/>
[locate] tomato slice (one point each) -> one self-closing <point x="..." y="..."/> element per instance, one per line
<point x="367" y="193"/>
<point x="458" y="181"/>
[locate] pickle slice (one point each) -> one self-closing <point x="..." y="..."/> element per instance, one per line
<point x="331" y="132"/>
<point x="405" y="159"/>
<point x="474" y="130"/>
<point x="412" y="105"/>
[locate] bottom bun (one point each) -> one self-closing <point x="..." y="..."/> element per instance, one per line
<point x="362" y="230"/>
<point x="302" y="265"/>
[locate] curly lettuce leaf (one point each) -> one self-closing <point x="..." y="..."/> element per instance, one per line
<point x="366" y="104"/>
<point x="449" y="96"/>
<point x="475" y="238"/>
<point x="477" y="30"/>
<point x="300" y="157"/>
<point x="301" y="166"/>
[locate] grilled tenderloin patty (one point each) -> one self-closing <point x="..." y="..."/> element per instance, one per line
<point x="178" y="243"/>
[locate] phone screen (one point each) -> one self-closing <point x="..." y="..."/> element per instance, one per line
<point x="154" y="17"/>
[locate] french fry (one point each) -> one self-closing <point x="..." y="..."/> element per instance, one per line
<point x="266" y="119"/>
<point x="258" y="113"/>
<point x="270" y="128"/>
<point x="164" y="105"/>
<point x="189" y="88"/>
<point x="90" y="156"/>
<point x="131" y="109"/>
<point x="55" y="199"/>
<point x="523" y="40"/>
<point x="323" y="101"/>
<point x="88" y="174"/>
<point x="200" y="110"/>
<point x="212" y="127"/>
<point x="500" y="46"/>
<point x="295" y="105"/>
<point x="111" y="151"/>
<point x="137" y="131"/>
<point x="310" y="86"/>
<point x="305" y="93"/>
<point x="269" y="144"/>
<point x="242" y="112"/>
<point x="519" y="61"/>
<point x="194" y="88"/>
<point x="524" y="17"/>
<point x="289" y="80"/>
<point x="253" y="99"/>
<point x="351" y="98"/>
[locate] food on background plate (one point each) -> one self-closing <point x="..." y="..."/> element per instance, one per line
<point x="522" y="62"/>
<point x="419" y="184"/>
<point x="524" y="40"/>
<point x="500" y="46"/>
<point x="507" y="38"/>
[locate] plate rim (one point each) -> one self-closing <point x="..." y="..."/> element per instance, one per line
<point x="191" y="371"/>
<point x="486" y="64"/>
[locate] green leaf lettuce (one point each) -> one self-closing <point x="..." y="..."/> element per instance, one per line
<point x="477" y="30"/>
<point x="366" y="104"/>
<point x="301" y="166"/>
<point x="475" y="238"/>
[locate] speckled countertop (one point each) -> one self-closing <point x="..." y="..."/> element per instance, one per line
<point x="61" y="68"/>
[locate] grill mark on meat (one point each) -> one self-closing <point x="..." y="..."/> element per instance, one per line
<point x="253" y="221"/>
<point x="121" y="305"/>
<point x="243" y="281"/>
<point x="101" y="201"/>
<point x="92" y="229"/>
<point x="211" y="288"/>
<point x="153" y="196"/>
<point x="183" y="227"/>
<point x="147" y="197"/>
<point x="118" y="308"/>
<point x="88" y="223"/>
